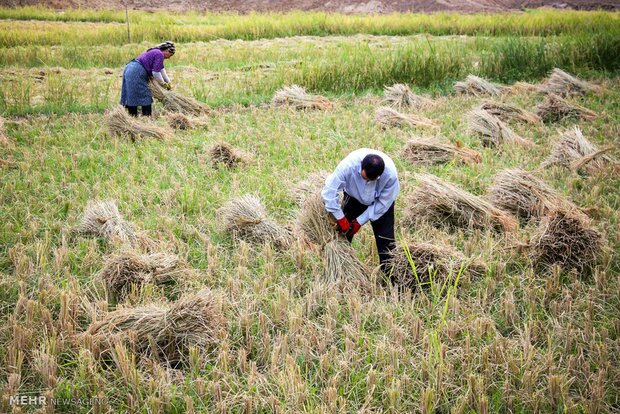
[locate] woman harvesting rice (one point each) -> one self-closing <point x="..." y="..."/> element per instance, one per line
<point x="135" y="91"/>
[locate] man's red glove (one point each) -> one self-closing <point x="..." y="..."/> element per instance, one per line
<point x="355" y="227"/>
<point x="344" y="225"/>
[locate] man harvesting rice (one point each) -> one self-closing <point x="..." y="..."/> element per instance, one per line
<point x="370" y="184"/>
<point x="150" y="64"/>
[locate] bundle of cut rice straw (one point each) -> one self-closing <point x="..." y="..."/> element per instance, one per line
<point x="441" y="203"/>
<point x="576" y="152"/>
<point x="506" y="112"/>
<point x="493" y="131"/>
<point x="223" y="154"/>
<point x="399" y="96"/>
<point x="564" y="84"/>
<point x="421" y="150"/>
<point x="526" y="195"/>
<point x="474" y="85"/>
<point x="247" y="217"/>
<point x="296" y="97"/>
<point x="180" y="121"/>
<point x="122" y="124"/>
<point x="176" y="102"/>
<point x="388" y="117"/>
<point x="169" y="330"/>
<point x="554" y="109"/>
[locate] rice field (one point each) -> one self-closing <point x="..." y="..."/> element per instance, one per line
<point x="221" y="322"/>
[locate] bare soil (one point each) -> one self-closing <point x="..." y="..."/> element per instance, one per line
<point x="342" y="6"/>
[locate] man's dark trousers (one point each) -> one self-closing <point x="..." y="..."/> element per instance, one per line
<point x="383" y="228"/>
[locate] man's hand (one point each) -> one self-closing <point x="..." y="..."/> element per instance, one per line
<point x="343" y="225"/>
<point x="167" y="86"/>
<point x="355" y="227"/>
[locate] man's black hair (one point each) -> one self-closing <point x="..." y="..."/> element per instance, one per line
<point x="373" y="165"/>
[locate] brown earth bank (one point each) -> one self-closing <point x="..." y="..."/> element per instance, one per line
<point x="342" y="6"/>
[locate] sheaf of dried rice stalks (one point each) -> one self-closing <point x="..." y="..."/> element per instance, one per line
<point x="431" y="262"/>
<point x="4" y="139"/>
<point x="389" y="117"/>
<point x="525" y="195"/>
<point x="177" y="120"/>
<point x="313" y="183"/>
<point x="506" y="112"/>
<point x="176" y="102"/>
<point x="524" y="87"/>
<point x="567" y="239"/>
<point x="474" y="85"/>
<point x="340" y="260"/>
<point x="429" y="151"/>
<point x="296" y="97"/>
<point x="196" y="319"/>
<point x="575" y="151"/>
<point x="564" y="84"/>
<point x="442" y="203"/>
<point x="492" y="130"/>
<point x="399" y="96"/>
<point x="130" y="270"/>
<point x="247" y="217"/>
<point x="120" y="123"/>
<point x="222" y="154"/>
<point x="554" y="109"/>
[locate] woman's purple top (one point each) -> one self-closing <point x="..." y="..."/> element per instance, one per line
<point x="152" y="60"/>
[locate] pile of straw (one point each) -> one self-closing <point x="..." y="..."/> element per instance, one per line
<point x="247" y="218"/>
<point x="388" y="117"/>
<point x="196" y="319"/>
<point x="222" y="154"/>
<point x="430" y="151"/>
<point x="492" y="130"/>
<point x="175" y="102"/>
<point x="525" y="195"/>
<point x="554" y="109"/>
<point x="474" y="85"/>
<point x="431" y="262"/>
<point x="399" y="96"/>
<point x="102" y="219"/>
<point x="564" y="84"/>
<point x="122" y="124"/>
<point x="129" y="270"/>
<point x="506" y="112"/>
<point x="567" y="239"/>
<point x="340" y="261"/>
<point x="312" y="184"/>
<point x="296" y="97"/>
<point x="4" y="139"/>
<point x="180" y="121"/>
<point x="442" y="203"/>
<point x="574" y="151"/>
<point x="524" y="87"/>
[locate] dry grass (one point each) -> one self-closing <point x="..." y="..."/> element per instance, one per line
<point x="313" y="183"/>
<point x="296" y="97"/>
<point x="525" y="195"/>
<point x="129" y="270"/>
<point x="222" y="154"/>
<point x="177" y="120"/>
<point x="102" y="219"/>
<point x="176" y="102"/>
<point x="524" y="87"/>
<point x="122" y="124"/>
<point x="4" y="139"/>
<point x="196" y="319"/>
<point x="247" y="217"/>
<point x="389" y="117"/>
<point x="492" y="130"/>
<point x="442" y="203"/>
<point x="431" y="262"/>
<point x="476" y="86"/>
<point x="340" y="260"/>
<point x="573" y="150"/>
<point x="564" y="84"/>
<point x="554" y="109"/>
<point x="506" y="112"/>
<point x="399" y="96"/>
<point x="429" y="151"/>
<point x="567" y="239"/>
